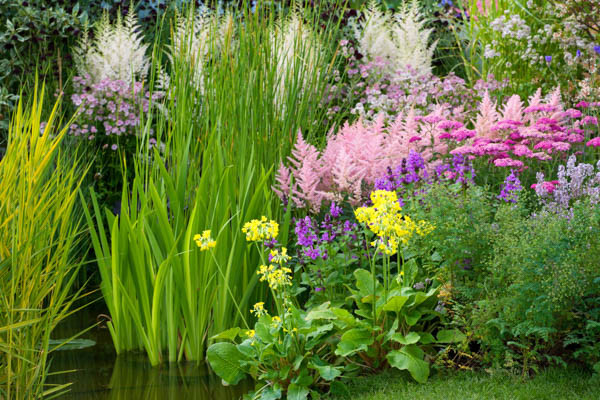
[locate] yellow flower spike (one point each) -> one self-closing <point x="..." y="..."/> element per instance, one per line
<point x="204" y="241"/>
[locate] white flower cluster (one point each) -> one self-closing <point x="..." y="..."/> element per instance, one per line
<point x="399" y="38"/>
<point x="513" y="27"/>
<point x="117" y="52"/>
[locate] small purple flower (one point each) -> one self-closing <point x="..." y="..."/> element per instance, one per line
<point x="548" y="59"/>
<point x="319" y="289"/>
<point x="335" y="211"/>
<point x="312" y="253"/>
<point x="114" y="147"/>
<point x="597" y="49"/>
<point x="510" y="188"/>
<point x="578" y="53"/>
<point x="270" y="244"/>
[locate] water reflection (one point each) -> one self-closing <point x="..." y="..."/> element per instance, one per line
<point x="99" y="374"/>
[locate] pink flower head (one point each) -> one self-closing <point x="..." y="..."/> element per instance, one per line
<point x="544" y="144"/>
<point x="508" y="162"/>
<point x="549" y="186"/>
<point x="573" y="113"/>
<point x="462" y="150"/>
<point x="582" y="104"/>
<point x="575" y="138"/>
<point x="451" y="125"/>
<point x="541" y="156"/>
<point x="589" y="120"/>
<point x="515" y="136"/>
<point x="522" y="150"/>
<point x="462" y="134"/>
<point x="432" y="119"/>
<point x="492" y="148"/>
<point x="506" y="124"/>
<point x="546" y="187"/>
<point x="595" y="142"/>
<point x="445" y="135"/>
<point x="561" y="146"/>
<point x="540" y="108"/>
<point x="414" y="139"/>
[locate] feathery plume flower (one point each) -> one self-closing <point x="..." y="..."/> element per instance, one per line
<point x="398" y="38"/>
<point x="117" y="51"/>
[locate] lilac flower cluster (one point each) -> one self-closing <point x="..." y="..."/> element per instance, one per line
<point x="109" y="109"/>
<point x="313" y="238"/>
<point x="576" y="182"/>
<point x="374" y="91"/>
<point x="510" y="188"/>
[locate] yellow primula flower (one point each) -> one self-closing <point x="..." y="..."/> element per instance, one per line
<point x="260" y="230"/>
<point x="386" y="221"/>
<point x="275" y="321"/>
<point x="250" y="333"/>
<point x="279" y="257"/>
<point x="259" y="309"/>
<point x="204" y="241"/>
<point x="275" y="277"/>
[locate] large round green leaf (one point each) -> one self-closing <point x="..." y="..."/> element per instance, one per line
<point x="224" y="359"/>
<point x="410" y="358"/>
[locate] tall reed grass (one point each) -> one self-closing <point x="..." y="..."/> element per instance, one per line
<point x="39" y="229"/>
<point x="213" y="170"/>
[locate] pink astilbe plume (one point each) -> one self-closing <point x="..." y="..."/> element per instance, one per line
<point x="487" y="117"/>
<point x="305" y="169"/>
<point x="348" y="177"/>
<point x="283" y="183"/>
<point x="513" y="109"/>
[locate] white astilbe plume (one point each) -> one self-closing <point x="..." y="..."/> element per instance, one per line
<point x="297" y="52"/>
<point x="398" y="38"/>
<point x="117" y="51"/>
<point x="198" y="36"/>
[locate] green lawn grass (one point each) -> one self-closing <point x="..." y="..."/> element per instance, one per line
<point x="551" y="384"/>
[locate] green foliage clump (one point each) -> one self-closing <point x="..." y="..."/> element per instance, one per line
<point x="543" y="278"/>
<point x="34" y="37"/>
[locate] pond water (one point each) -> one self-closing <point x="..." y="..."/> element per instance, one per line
<point x="97" y="373"/>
